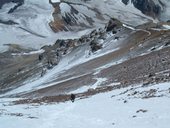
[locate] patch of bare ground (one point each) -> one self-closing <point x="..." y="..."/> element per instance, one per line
<point x="148" y="69"/>
<point x="66" y="97"/>
<point x="62" y="87"/>
<point x="17" y="69"/>
<point x="86" y="70"/>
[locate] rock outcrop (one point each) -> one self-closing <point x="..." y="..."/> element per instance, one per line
<point x="18" y="3"/>
<point x="68" y="16"/>
<point x="149" y="7"/>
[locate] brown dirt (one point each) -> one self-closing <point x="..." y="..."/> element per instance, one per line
<point x="148" y="69"/>
<point x="138" y="71"/>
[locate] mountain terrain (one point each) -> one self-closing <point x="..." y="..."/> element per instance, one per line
<point x="113" y="55"/>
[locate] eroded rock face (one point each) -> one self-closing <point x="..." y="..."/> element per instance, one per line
<point x="58" y="23"/>
<point x="67" y="17"/>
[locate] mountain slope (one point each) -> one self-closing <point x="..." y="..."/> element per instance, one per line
<point x="35" y="22"/>
<point x="154" y="8"/>
<point x="84" y="63"/>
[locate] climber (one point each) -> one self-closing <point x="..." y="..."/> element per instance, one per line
<point x="72" y="97"/>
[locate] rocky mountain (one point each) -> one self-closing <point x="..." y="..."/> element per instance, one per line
<point x="77" y="12"/>
<point x="80" y="14"/>
<point x="149" y="7"/>
<point x="71" y="16"/>
<point x="84" y="63"/>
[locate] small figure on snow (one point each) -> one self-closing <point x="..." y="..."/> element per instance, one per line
<point x="72" y="97"/>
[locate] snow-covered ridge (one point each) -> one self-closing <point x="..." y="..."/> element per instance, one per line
<point x="31" y="19"/>
<point x="32" y="28"/>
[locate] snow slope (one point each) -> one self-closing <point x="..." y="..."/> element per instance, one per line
<point x="76" y="57"/>
<point x="33" y="16"/>
<point x="104" y="110"/>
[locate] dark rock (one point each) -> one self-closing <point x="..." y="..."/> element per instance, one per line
<point x="134" y="93"/>
<point x="151" y="75"/>
<point x="114" y="32"/>
<point x="9" y="22"/>
<point x="32" y="117"/>
<point x="134" y="116"/>
<point x="141" y="110"/>
<point x="167" y="44"/>
<point x="117" y="38"/>
<point x="113" y="25"/>
<point x="113" y="123"/>
<point x="40" y="57"/>
<point x="147" y="6"/>
<point x="125" y="2"/>
<point x="152" y="49"/>
<point x="125" y="101"/>
<point x="95" y="46"/>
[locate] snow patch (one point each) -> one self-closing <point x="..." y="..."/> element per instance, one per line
<point x="166" y="26"/>
<point x="104" y="110"/>
<point x="30" y="53"/>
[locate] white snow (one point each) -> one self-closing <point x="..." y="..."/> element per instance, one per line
<point x="129" y="27"/>
<point x="166" y="26"/>
<point x="99" y="81"/>
<point x="27" y="40"/>
<point x="106" y="110"/>
<point x="126" y="13"/>
<point x="166" y="11"/>
<point x="99" y="111"/>
<point x="55" y="1"/>
<point x="29" y="53"/>
<point x="65" y="8"/>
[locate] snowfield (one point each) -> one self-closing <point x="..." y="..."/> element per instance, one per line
<point x="122" y="108"/>
<point x="32" y="27"/>
<point x="166" y="26"/>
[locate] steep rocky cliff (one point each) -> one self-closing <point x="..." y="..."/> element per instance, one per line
<point x="149" y="7"/>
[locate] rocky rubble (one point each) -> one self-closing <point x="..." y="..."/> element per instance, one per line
<point x="36" y="65"/>
<point x="53" y="53"/>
